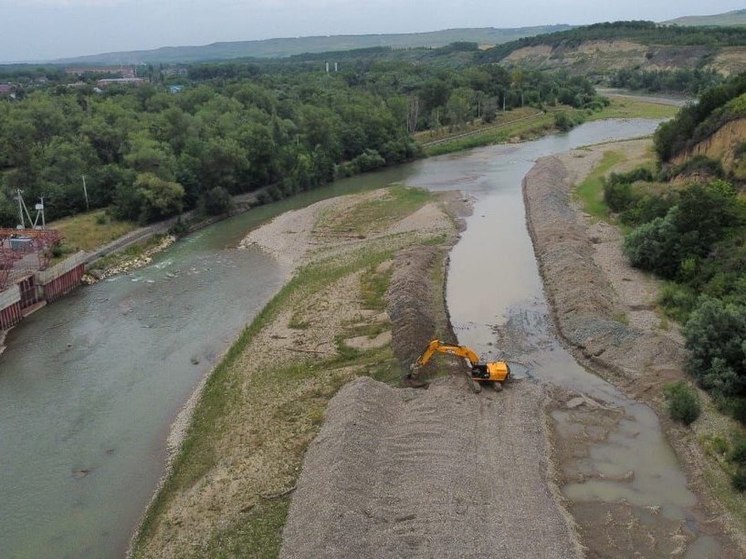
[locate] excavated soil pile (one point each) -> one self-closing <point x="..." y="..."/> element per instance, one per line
<point x="414" y="322"/>
<point x="428" y="473"/>
<point x="584" y="304"/>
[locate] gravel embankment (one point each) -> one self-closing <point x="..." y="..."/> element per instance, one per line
<point x="602" y="310"/>
<point x="587" y="310"/>
<point x="441" y="472"/>
<point x="429" y="473"/>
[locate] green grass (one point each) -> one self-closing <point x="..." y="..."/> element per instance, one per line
<point x="366" y="217"/>
<point x="91" y="230"/>
<point x="128" y="253"/>
<point x="530" y="127"/>
<point x="591" y="190"/>
<point x="373" y="286"/>
<point x="623" y="107"/>
<point x="255" y="536"/>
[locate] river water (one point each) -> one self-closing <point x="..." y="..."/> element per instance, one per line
<point x="90" y="385"/>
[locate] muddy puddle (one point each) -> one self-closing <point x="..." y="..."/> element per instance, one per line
<point x="622" y="481"/>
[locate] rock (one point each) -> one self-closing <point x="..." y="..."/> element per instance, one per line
<point x="195" y="360"/>
<point x="575" y="402"/>
<point x="80" y="473"/>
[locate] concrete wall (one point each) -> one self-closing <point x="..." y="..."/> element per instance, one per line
<point x="51" y="284"/>
<point x="10" y="307"/>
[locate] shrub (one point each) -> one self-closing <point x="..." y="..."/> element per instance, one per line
<point x="678" y="301"/>
<point x="738" y="479"/>
<point x="737" y="454"/>
<point x="654" y="246"/>
<point x="618" y="195"/>
<point x="563" y="122"/>
<point x="683" y="404"/>
<point x="716" y="337"/>
<point x="217" y="201"/>
<point x="646" y="208"/>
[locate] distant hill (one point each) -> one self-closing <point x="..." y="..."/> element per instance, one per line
<point x="279" y="48"/>
<point x="737" y="17"/>
<point x="604" y="48"/>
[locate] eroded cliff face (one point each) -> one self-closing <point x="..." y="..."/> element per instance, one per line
<point x="604" y="56"/>
<point x="723" y="146"/>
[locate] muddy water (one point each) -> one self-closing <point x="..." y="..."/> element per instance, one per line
<point x="90" y="385"/>
<point x="616" y="453"/>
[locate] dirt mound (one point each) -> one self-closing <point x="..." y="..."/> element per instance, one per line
<point x="583" y="301"/>
<point x="413" y="319"/>
<point x="429" y="473"/>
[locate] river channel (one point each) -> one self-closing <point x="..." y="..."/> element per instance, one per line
<point x="89" y="386"/>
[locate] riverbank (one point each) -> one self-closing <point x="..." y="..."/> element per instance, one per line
<point x="365" y="297"/>
<point x="265" y="402"/>
<point x="605" y="313"/>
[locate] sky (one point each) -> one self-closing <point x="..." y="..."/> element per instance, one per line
<point x="37" y="30"/>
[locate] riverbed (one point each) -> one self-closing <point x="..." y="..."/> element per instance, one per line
<point x="89" y="386"/>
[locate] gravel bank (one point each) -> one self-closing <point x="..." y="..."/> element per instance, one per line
<point x="595" y="317"/>
<point x="429" y="473"/>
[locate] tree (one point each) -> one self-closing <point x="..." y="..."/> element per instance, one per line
<point x="716" y="337"/>
<point x="458" y="107"/>
<point x="150" y="199"/>
<point x="217" y="201"/>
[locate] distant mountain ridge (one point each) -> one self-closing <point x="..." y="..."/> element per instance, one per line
<point x="736" y="17"/>
<point x="280" y="48"/>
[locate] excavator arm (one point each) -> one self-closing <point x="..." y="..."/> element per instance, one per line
<point x="436" y="346"/>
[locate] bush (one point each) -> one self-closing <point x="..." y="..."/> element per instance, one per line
<point x="654" y="246"/>
<point x="683" y="404"/>
<point x="678" y="301"/>
<point x="217" y="201"/>
<point x="646" y="208"/>
<point x="563" y="122"/>
<point x="739" y="479"/>
<point x="618" y="195"/>
<point x="716" y="337"/>
<point x="737" y="454"/>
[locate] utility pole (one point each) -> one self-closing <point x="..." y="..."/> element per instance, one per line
<point x="85" y="191"/>
<point x="20" y="208"/>
<point x="40" y="209"/>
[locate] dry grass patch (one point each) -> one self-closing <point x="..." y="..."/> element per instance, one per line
<point x="91" y="230"/>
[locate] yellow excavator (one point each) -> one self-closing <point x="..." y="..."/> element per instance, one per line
<point x="495" y="373"/>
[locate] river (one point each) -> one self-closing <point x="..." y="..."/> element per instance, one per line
<point x="89" y="386"/>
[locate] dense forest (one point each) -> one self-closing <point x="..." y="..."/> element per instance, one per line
<point x="682" y="80"/>
<point x="149" y="153"/>
<point x="691" y="231"/>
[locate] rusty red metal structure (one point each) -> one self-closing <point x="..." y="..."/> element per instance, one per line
<point x="24" y="251"/>
<point x="8" y="258"/>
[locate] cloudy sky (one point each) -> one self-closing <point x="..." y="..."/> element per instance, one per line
<point x="33" y="30"/>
